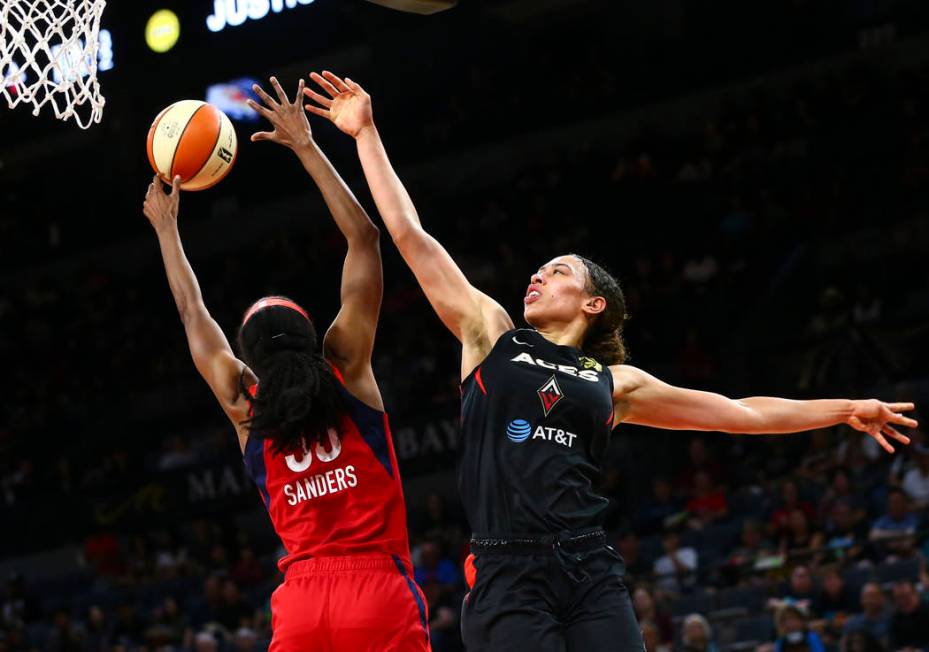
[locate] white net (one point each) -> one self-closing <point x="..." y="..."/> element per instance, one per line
<point x="48" y="56"/>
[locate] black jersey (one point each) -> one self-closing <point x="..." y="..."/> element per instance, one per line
<point x="535" y="421"/>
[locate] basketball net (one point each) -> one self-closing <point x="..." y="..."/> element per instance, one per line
<point x="48" y="56"/>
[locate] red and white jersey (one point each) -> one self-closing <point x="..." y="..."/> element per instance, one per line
<point x="340" y="498"/>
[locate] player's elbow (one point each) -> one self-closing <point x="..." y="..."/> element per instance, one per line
<point x="191" y="312"/>
<point x="744" y="420"/>
<point x="408" y="236"/>
<point x="367" y="235"/>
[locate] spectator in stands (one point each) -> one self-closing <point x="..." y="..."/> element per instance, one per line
<point x="752" y="551"/>
<point x="916" y="480"/>
<point x="895" y="530"/>
<point x="857" y="452"/>
<point x="210" y="609"/>
<point x="636" y="565"/>
<point x="652" y="638"/>
<point x="909" y="626"/>
<point x="205" y="642"/>
<point x="444" y="628"/>
<point x="697" y="635"/>
<point x="433" y="568"/>
<point x="128" y="626"/>
<point x="245" y="640"/>
<point x="790" y="500"/>
<point x="247" y="570"/>
<point x="800" y="590"/>
<point x="800" y="535"/>
<point x="235" y="611"/>
<point x="677" y="568"/>
<point x="102" y="553"/>
<point x="438" y="522"/>
<point x="168" y="622"/>
<point x="861" y="641"/>
<point x="833" y="600"/>
<point x="845" y="535"/>
<point x="874" y="617"/>
<point x="646" y="611"/>
<point x="661" y="508"/>
<point x="841" y="489"/>
<point x="832" y="605"/>
<point x="708" y="504"/>
<point x="699" y="460"/>
<point x="98" y="630"/>
<point x="19" y="606"/>
<point x="793" y="631"/>
<point x="66" y="636"/>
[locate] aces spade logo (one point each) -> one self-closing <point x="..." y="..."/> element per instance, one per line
<point x="550" y="393"/>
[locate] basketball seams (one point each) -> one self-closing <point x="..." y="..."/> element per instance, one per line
<point x="180" y="138"/>
<point x="224" y="124"/>
<point x="209" y="157"/>
<point x="150" y="144"/>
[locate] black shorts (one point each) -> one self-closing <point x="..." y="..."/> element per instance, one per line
<point x="569" y="601"/>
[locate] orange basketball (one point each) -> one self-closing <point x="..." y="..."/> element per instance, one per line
<point x="193" y="140"/>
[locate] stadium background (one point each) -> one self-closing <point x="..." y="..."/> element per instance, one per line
<point x="756" y="173"/>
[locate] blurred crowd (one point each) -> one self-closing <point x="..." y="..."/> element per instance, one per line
<point x="769" y="249"/>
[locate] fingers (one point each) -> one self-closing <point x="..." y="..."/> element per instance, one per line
<point x="894" y="434"/>
<point x="267" y="99"/>
<point x="354" y="86"/>
<point x="901" y="420"/>
<point x="883" y="442"/>
<point x="259" y="109"/>
<point x="337" y="82"/>
<point x="316" y="97"/>
<point x="323" y="113"/>
<point x="856" y="423"/>
<point x="901" y="407"/>
<point x="282" y="96"/>
<point x="324" y="84"/>
<point x="262" y="135"/>
<point x="301" y="86"/>
<point x="175" y="184"/>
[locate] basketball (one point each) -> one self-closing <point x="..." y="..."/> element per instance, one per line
<point x="193" y="140"/>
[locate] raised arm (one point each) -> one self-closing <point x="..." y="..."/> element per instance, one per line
<point x="209" y="347"/>
<point x="642" y="399"/>
<point x="349" y="342"/>
<point x="473" y="317"/>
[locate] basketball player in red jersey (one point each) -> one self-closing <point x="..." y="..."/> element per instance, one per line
<point x="312" y="428"/>
<point x="538" y="407"/>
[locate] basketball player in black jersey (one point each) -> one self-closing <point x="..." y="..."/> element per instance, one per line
<point x="538" y="405"/>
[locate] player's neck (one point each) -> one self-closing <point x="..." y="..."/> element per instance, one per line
<point x="563" y="334"/>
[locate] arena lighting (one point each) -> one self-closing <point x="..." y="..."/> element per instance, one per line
<point x="162" y="30"/>
<point x="232" y="13"/>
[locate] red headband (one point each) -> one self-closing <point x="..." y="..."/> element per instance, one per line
<point x="274" y="301"/>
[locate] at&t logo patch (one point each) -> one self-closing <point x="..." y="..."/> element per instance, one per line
<point x="518" y="430"/>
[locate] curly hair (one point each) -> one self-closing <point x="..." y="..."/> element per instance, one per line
<point x="603" y="340"/>
<point x="298" y="398"/>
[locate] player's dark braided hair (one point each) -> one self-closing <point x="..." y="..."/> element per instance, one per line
<point x="604" y="338"/>
<point x="298" y="397"/>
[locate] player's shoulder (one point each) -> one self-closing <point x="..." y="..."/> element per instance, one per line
<point x="627" y="378"/>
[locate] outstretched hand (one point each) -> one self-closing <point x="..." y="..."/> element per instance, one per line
<point x="291" y="127"/>
<point x="348" y="105"/>
<point x="877" y="419"/>
<point x="161" y="207"/>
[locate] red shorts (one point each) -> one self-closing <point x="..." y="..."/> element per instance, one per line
<point x="349" y="604"/>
